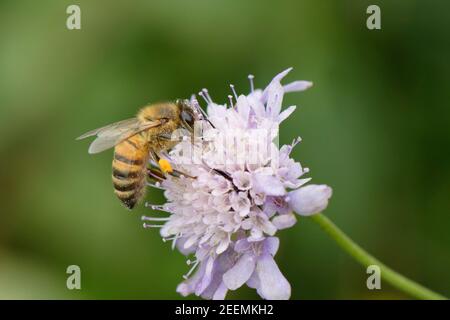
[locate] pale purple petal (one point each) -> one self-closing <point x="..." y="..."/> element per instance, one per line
<point x="190" y="242"/>
<point x="242" y="180"/>
<point x="297" y="86"/>
<point x="243" y="107"/>
<point x="239" y="274"/>
<point x="242" y="245"/>
<point x="240" y="203"/>
<point x="253" y="281"/>
<point x="223" y="245"/>
<point x="222" y="263"/>
<point x="256" y="106"/>
<point x="272" y="284"/>
<point x="184" y="289"/>
<point x="276" y="79"/>
<point x="282" y="74"/>
<point x="180" y="246"/>
<point x="284" y="221"/>
<point x="267" y="184"/>
<point x="256" y="235"/>
<point x="310" y="199"/>
<point x="274" y="100"/>
<point x="207" y="276"/>
<point x="271" y="245"/>
<point x="221" y="292"/>
<point x="268" y="228"/>
<point x="276" y="204"/>
<point x="286" y="113"/>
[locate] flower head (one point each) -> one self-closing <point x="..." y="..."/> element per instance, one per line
<point x="232" y="189"/>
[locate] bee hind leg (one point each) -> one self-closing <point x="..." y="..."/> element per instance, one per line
<point x="159" y="168"/>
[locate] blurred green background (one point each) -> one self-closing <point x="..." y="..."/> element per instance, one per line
<point x="375" y="126"/>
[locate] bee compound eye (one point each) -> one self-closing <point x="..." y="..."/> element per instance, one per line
<point x="188" y="118"/>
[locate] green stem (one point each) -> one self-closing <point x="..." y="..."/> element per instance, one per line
<point x="395" y="279"/>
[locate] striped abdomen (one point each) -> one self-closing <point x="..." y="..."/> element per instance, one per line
<point x="129" y="169"/>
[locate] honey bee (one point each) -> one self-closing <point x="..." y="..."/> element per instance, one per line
<point x="137" y="140"/>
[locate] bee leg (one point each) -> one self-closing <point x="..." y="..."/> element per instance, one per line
<point x="154" y="157"/>
<point x="155" y="175"/>
<point x="165" y="137"/>
<point x="163" y="171"/>
<point x="162" y="164"/>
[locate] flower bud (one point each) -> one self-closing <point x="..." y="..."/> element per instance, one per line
<point x="310" y="199"/>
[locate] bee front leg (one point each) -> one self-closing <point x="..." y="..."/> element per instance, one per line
<point x="165" y="136"/>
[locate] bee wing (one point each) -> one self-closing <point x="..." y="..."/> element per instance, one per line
<point x="110" y="135"/>
<point x="121" y="125"/>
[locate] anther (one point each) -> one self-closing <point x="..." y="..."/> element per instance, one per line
<point x="189" y="262"/>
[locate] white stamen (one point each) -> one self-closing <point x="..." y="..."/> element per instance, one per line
<point x="156" y="207"/>
<point x="191" y="270"/>
<point x="293" y="144"/>
<point x="198" y="108"/>
<point x="204" y="113"/>
<point x="205" y="91"/>
<point x="250" y="78"/>
<point x="149" y="205"/>
<point x="296" y="141"/>
<point x="201" y="94"/>
<point x="152" y="225"/>
<point x="230" y="97"/>
<point x="156" y="185"/>
<point x="174" y="242"/>
<point x="147" y="218"/>
<point x="189" y="262"/>
<point x="234" y="91"/>
<point x="175" y="237"/>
